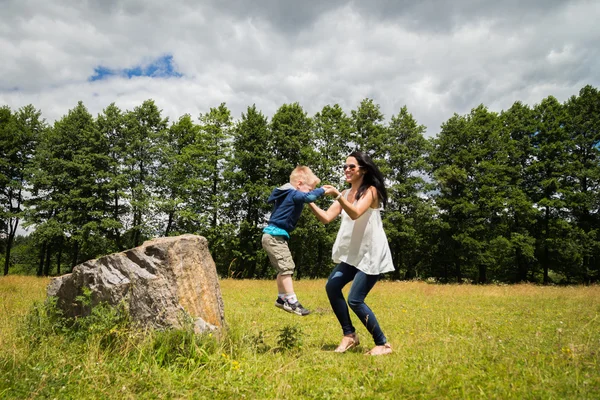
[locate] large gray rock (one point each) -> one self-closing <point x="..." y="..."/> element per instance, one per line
<point x="161" y="283"/>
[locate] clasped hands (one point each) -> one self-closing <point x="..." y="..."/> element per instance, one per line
<point x="331" y="191"/>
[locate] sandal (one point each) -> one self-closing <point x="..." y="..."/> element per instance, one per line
<point x="380" y="350"/>
<point x="348" y="342"/>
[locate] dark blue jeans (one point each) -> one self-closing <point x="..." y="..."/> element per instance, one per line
<point x="362" y="285"/>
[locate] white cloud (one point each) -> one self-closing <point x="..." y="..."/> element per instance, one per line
<point x="435" y="57"/>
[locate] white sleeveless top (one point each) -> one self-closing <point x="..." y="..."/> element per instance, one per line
<point x="362" y="243"/>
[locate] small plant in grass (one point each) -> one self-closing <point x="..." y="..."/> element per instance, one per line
<point x="290" y="337"/>
<point x="103" y="321"/>
<point x="258" y="343"/>
<point x="180" y="348"/>
<point x="43" y="319"/>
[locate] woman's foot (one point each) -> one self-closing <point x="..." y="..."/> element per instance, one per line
<point x="348" y="342"/>
<point x="380" y="350"/>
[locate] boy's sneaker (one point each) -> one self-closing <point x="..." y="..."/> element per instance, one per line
<point x="279" y="303"/>
<point x="295" y="308"/>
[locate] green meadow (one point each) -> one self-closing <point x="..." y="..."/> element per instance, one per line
<point x="449" y="341"/>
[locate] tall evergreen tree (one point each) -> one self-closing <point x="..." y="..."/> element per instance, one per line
<point x="468" y="166"/>
<point x="551" y="158"/>
<point x="19" y="135"/>
<point x="583" y="176"/>
<point x="68" y="187"/>
<point x="489" y="186"/>
<point x="111" y="125"/>
<point x="292" y="141"/>
<point x="452" y="164"/>
<point x="8" y="220"/>
<point x="409" y="214"/>
<point x="144" y="127"/>
<point x="216" y="141"/>
<point x="369" y="132"/>
<point x="518" y="125"/>
<point x="332" y="132"/>
<point x="175" y="176"/>
<point x="293" y="145"/>
<point x="252" y="156"/>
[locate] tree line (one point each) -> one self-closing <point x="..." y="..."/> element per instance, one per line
<point x="506" y="196"/>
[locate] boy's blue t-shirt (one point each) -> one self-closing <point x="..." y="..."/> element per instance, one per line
<point x="275" y="231"/>
<point x="288" y="205"/>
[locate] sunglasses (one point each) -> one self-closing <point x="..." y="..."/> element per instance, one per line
<point x="351" y="166"/>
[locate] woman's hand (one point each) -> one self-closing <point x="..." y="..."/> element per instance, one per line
<point x="330" y="190"/>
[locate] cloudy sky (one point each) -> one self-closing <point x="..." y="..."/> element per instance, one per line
<point x="435" y="57"/>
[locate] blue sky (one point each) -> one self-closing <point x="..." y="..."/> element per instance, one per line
<point x="162" y="67"/>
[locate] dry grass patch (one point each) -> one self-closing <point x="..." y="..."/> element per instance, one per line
<point x="17" y="294"/>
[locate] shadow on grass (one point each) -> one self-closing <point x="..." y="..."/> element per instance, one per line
<point x="332" y="347"/>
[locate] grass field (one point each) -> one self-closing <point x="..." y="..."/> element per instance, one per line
<point x="449" y="341"/>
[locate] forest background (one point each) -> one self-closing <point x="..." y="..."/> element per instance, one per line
<point x="508" y="196"/>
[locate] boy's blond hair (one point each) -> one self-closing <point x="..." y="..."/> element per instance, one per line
<point x="304" y="174"/>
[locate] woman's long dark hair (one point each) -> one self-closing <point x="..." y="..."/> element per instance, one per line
<point x="372" y="176"/>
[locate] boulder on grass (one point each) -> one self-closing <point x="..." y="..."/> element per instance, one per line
<point x="162" y="283"/>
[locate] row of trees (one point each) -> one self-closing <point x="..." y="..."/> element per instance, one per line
<point x="510" y="196"/>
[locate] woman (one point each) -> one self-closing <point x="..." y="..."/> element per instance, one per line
<point x="360" y="249"/>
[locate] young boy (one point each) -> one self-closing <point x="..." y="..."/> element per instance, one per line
<point x="289" y="201"/>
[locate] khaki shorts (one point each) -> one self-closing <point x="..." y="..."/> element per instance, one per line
<point x="279" y="254"/>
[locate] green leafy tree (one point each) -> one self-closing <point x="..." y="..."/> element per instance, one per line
<point x="468" y="161"/>
<point x="111" y="124"/>
<point x="583" y="175"/>
<point x="9" y="218"/>
<point x="452" y="163"/>
<point x="216" y="140"/>
<point x="489" y="186"/>
<point x="250" y="188"/>
<point x="518" y="126"/>
<point x="294" y="144"/>
<point x="332" y="135"/>
<point x="409" y="214"/>
<point x="144" y="127"/>
<point x="68" y="195"/>
<point x="175" y="176"/>
<point x="332" y="129"/>
<point x="19" y="135"/>
<point x="369" y="131"/>
<point x="551" y="157"/>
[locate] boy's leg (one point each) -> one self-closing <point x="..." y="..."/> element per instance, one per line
<point x="287" y="285"/>
<point x="280" y="287"/>
<point x="280" y="292"/>
<point x="272" y="245"/>
<point x="291" y="303"/>
<point x="279" y="254"/>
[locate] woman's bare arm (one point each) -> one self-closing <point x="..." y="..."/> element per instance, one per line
<point x="326" y="216"/>
<point x="368" y="200"/>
